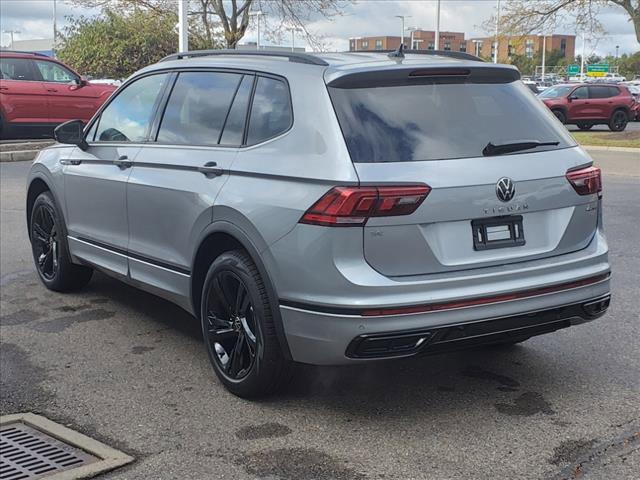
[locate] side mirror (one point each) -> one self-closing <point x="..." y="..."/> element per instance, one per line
<point x="573" y="97"/>
<point x="71" y="133"/>
<point x="81" y="82"/>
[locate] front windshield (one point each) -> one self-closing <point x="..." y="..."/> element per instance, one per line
<point x="555" y="92"/>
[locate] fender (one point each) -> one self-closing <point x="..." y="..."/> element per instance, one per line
<point x="224" y="226"/>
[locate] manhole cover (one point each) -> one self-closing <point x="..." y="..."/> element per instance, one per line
<point x="33" y="447"/>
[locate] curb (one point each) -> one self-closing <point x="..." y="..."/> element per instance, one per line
<point x="600" y="148"/>
<point x="18" y="155"/>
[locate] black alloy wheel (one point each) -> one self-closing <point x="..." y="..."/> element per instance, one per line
<point x="618" y="121"/>
<point x="231" y="325"/>
<point x="44" y="237"/>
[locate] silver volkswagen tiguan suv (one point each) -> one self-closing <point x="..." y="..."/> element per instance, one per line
<point x="328" y="209"/>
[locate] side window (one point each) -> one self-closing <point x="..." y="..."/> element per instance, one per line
<point x="599" y="92"/>
<point x="613" y="91"/>
<point x="127" y="117"/>
<point x="17" y="69"/>
<point x="580" y="93"/>
<point x="91" y="134"/>
<point x="271" y="112"/>
<point x="52" y="72"/>
<point x="198" y="107"/>
<point x="234" y="127"/>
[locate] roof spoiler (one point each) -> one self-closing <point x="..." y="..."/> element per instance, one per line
<point x="404" y="75"/>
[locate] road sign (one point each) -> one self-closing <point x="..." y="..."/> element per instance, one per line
<point x="573" y="69"/>
<point x="598" y="69"/>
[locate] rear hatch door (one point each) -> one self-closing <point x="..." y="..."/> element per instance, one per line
<point x="488" y="205"/>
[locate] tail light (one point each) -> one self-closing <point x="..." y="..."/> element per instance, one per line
<point x="353" y="206"/>
<point x="586" y="181"/>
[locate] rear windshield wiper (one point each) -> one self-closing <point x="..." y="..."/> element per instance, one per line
<point x="501" y="149"/>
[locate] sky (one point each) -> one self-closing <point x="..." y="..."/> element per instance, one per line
<point x="33" y="18"/>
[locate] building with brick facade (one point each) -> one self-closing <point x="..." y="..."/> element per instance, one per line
<point x="422" y="40"/>
<point x="528" y="45"/>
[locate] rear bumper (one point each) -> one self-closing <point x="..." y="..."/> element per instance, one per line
<point x="324" y="338"/>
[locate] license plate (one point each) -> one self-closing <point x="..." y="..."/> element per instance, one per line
<point x="497" y="232"/>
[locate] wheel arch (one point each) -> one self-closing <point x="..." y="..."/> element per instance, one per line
<point x="37" y="186"/>
<point x="623" y="108"/>
<point x="222" y="236"/>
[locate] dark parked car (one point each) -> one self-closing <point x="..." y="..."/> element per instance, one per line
<point x="586" y="105"/>
<point x="38" y="93"/>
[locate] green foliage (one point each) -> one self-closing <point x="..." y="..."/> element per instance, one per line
<point x="114" y="46"/>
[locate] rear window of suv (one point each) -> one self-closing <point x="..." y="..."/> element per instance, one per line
<point x="439" y="121"/>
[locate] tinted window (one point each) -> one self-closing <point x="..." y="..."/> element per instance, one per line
<point x="602" y="92"/>
<point x="197" y="108"/>
<point x="127" y="117"/>
<point x="234" y="128"/>
<point x="16" y="69"/>
<point x="436" y="121"/>
<point x="270" y="112"/>
<point x="52" y="72"/>
<point x="581" y="93"/>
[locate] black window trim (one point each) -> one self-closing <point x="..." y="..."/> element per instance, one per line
<point x="151" y="138"/>
<point x="35" y="72"/>
<point x="98" y="115"/>
<point x="248" y="122"/>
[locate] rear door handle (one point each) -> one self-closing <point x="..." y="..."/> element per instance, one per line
<point x="211" y="169"/>
<point x="123" y="162"/>
<point x="51" y="90"/>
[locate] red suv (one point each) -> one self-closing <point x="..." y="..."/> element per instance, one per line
<point x="586" y="105"/>
<point x="38" y="91"/>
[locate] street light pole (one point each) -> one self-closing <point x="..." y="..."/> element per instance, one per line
<point x="436" y="43"/>
<point x="257" y="14"/>
<point x="402" y="17"/>
<point x="183" y="31"/>
<point x="11" y="32"/>
<point x="582" y="60"/>
<point x="617" y="49"/>
<point x="495" y="44"/>
<point x="55" y="30"/>
<point x="293" y="36"/>
<point x="544" y="54"/>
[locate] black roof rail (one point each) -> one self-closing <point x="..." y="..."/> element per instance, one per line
<point x="443" y="53"/>
<point x="292" y="56"/>
<point x="4" y="50"/>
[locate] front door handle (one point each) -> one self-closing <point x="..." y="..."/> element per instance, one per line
<point x="51" y="90"/>
<point x="70" y="162"/>
<point x="211" y="169"/>
<point x="123" y="162"/>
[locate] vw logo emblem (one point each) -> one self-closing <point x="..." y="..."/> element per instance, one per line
<point x="505" y="189"/>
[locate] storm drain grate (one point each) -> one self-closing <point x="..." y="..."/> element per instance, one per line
<point x="33" y="447"/>
<point x="27" y="453"/>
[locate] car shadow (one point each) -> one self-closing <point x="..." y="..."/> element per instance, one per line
<point x="395" y="388"/>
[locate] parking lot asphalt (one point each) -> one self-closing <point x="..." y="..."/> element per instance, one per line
<point x="130" y="369"/>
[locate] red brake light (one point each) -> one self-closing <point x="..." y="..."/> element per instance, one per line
<point x="586" y="181"/>
<point x="353" y="206"/>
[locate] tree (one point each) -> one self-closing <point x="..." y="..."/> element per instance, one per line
<point x="232" y="18"/>
<point x="522" y="17"/>
<point x="114" y="45"/>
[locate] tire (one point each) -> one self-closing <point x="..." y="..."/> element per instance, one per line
<point x="585" y="126"/>
<point x="618" y="121"/>
<point x="560" y="116"/>
<point x="50" y="250"/>
<point x="239" y="330"/>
